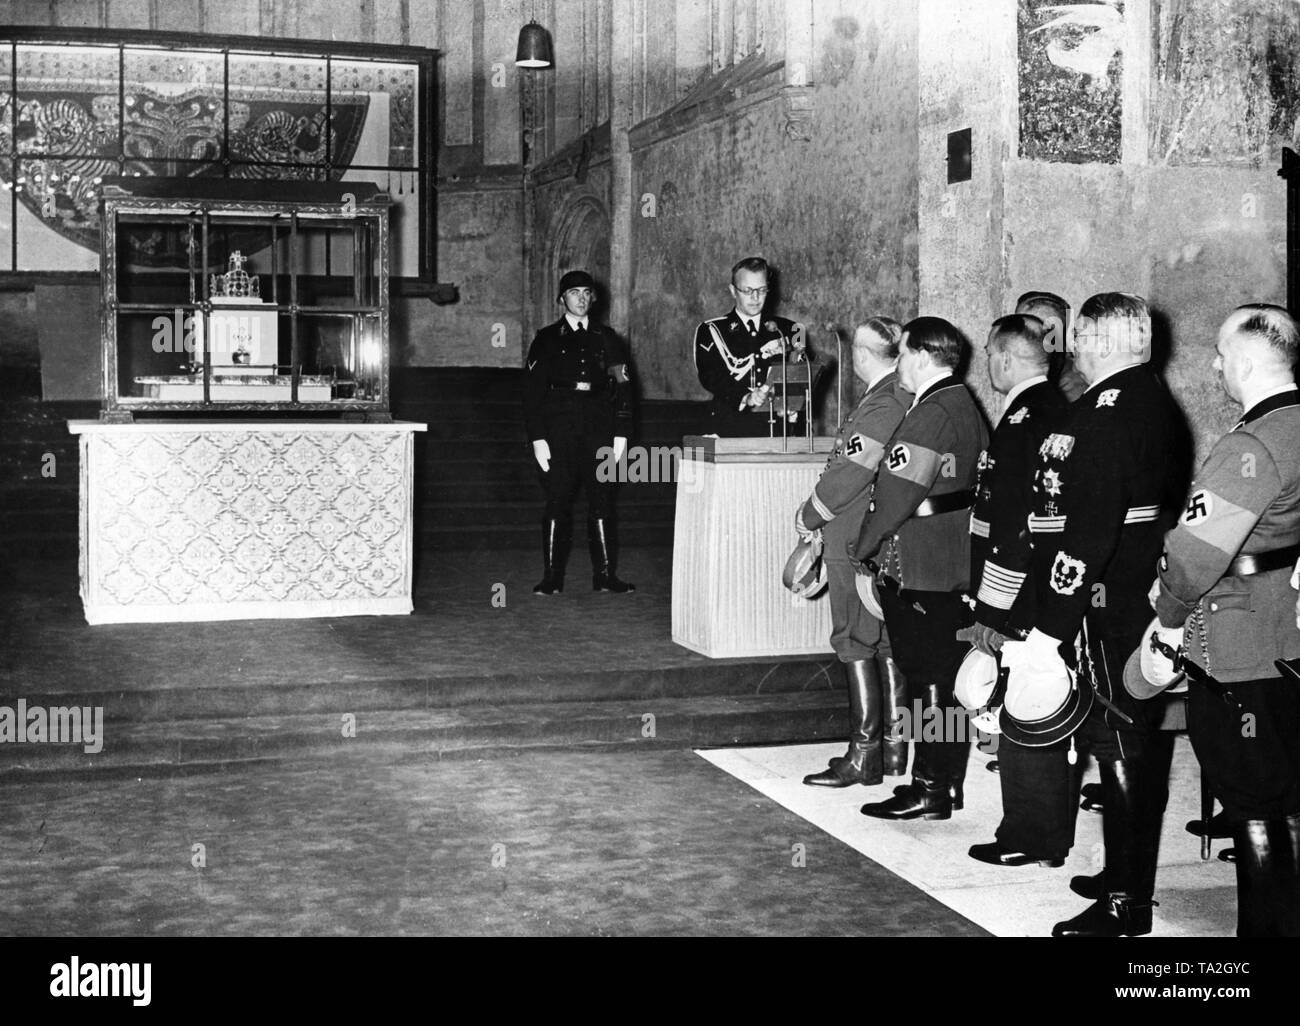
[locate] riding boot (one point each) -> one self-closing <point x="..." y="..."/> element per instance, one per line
<point x="555" y="540"/>
<point x="862" y="763"/>
<point x="1256" y="864"/>
<point x="928" y="796"/>
<point x="1123" y="910"/>
<point x="600" y="540"/>
<point x="1267" y="895"/>
<point x="894" y="686"/>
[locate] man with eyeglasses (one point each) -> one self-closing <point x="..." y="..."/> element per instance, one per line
<point x="733" y="354"/>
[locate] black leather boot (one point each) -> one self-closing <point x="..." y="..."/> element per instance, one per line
<point x="862" y="763"/>
<point x="894" y="688"/>
<point x="1115" y="916"/>
<point x="1091" y="887"/>
<point x="928" y="795"/>
<point x="955" y="791"/>
<point x="1268" y="888"/>
<point x="555" y="539"/>
<point x="921" y="799"/>
<point x="601" y="543"/>
<point x="1130" y="797"/>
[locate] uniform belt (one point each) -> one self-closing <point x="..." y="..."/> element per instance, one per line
<point x="1262" y="562"/>
<point x="949" y="503"/>
<point x="573" y="386"/>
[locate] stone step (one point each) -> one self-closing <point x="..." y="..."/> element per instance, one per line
<point x="461" y="732"/>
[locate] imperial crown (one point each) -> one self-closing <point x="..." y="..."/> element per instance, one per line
<point x="236" y="283"/>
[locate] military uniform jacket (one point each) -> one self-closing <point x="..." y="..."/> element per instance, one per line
<point x="562" y="357"/>
<point x="728" y="359"/>
<point x="1001" y="549"/>
<point x="839" y="499"/>
<point x="1108" y="483"/>
<point x="934" y="453"/>
<point x="1245" y="500"/>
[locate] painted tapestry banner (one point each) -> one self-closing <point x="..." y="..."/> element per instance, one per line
<point x="1071" y="64"/>
<point x="82" y="114"/>
<point x="1226" y="87"/>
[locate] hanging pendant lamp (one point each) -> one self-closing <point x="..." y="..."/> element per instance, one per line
<point x="534" y="50"/>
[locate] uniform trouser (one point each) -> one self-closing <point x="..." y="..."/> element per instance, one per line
<point x="1252" y="765"/>
<point x="929" y="655"/>
<point x="578" y="426"/>
<point x="855" y="634"/>
<point x="1039" y="804"/>
<point x="1134" y="767"/>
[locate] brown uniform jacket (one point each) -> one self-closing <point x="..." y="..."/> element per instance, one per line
<point x="934" y="454"/>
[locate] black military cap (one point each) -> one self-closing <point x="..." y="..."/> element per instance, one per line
<point x="576" y="280"/>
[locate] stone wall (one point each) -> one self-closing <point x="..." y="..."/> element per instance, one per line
<point x="1190" y="214"/>
<point x="835" y="214"/>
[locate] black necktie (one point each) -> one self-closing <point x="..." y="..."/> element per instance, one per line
<point x="753" y="329"/>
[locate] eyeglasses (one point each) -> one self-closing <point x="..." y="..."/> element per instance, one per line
<point x="753" y="293"/>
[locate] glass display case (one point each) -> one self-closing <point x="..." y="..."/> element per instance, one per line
<point x="244" y="296"/>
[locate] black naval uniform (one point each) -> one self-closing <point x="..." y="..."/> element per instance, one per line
<point x="1035" y="821"/>
<point x="1107" y="485"/>
<point x="729" y="363"/>
<point x="578" y="397"/>
<point x="1225" y="580"/>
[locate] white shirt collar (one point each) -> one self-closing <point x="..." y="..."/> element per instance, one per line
<point x="1288" y="387"/>
<point x="1028" y="383"/>
<point x="746" y="322"/>
<point x="575" y="322"/>
<point x="920" y="391"/>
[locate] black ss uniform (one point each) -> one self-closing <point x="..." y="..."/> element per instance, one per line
<point x="1034" y="819"/>
<point x="578" y="397"/>
<point x="1108" y="484"/>
<point x="729" y="362"/>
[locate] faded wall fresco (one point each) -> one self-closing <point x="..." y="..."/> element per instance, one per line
<point x="836" y="215"/>
<point x="1226" y="80"/>
<point x="1070" y="64"/>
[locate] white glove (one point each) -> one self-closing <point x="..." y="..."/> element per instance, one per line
<point x="756" y="397"/>
<point x="1154" y="593"/>
<point x="803" y="529"/>
<point x="542" y="454"/>
<point x="1295" y="575"/>
<point x="1038" y="653"/>
<point x="620" y="447"/>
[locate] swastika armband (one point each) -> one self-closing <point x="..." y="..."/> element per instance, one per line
<point x="1199" y="507"/>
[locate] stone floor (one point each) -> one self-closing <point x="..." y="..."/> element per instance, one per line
<point x="1197" y="898"/>
<point x="456" y="630"/>
<point x="650" y="843"/>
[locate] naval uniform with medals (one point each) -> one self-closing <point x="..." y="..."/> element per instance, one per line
<point x="1035" y="821"/>
<point x="1108" y="483"/>
<point x="1225" y="579"/>
<point x="732" y="356"/>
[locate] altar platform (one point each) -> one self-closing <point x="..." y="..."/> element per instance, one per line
<point x="482" y="666"/>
